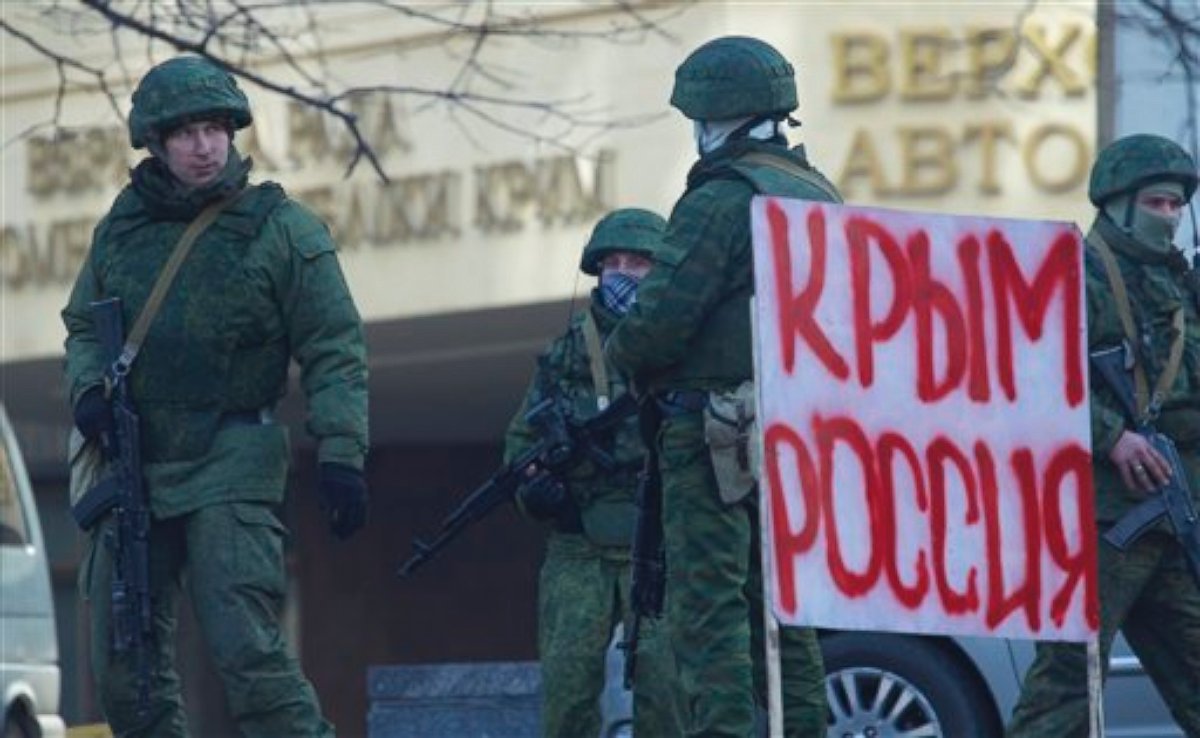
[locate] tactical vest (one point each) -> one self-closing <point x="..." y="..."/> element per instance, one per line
<point x="218" y="343"/>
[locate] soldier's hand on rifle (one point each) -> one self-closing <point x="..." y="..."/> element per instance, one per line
<point x="343" y="491"/>
<point x="545" y="497"/>
<point x="1142" y="468"/>
<point x="94" y="414"/>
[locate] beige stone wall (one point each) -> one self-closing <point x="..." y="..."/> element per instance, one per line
<point x="895" y="99"/>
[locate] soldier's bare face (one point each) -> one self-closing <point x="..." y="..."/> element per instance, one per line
<point x="196" y="152"/>
<point x="625" y="262"/>
<point x="1162" y="203"/>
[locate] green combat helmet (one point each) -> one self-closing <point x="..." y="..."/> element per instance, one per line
<point x="734" y="77"/>
<point x="628" y="229"/>
<point x="1133" y="161"/>
<point x="182" y="89"/>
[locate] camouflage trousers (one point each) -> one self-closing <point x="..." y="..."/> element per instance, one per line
<point x="583" y="593"/>
<point x="715" y="602"/>
<point x="1147" y="594"/>
<point x="230" y="558"/>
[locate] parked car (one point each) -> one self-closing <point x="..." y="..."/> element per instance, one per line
<point x="881" y="684"/>
<point x="29" y="672"/>
<point x="890" y="684"/>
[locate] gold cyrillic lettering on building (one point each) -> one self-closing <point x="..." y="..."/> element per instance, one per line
<point x="40" y="255"/>
<point x="1068" y="161"/>
<point x="1051" y="61"/>
<point x="924" y="75"/>
<point x="555" y="189"/>
<point x="915" y="158"/>
<point x="860" y="65"/>
<point x="989" y="134"/>
<point x="75" y="161"/>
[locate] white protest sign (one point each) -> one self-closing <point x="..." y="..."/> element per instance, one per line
<point x="923" y="395"/>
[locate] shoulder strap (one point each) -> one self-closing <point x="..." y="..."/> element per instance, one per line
<point x="788" y="166"/>
<point x="133" y="342"/>
<point x="591" y="339"/>
<point x="1148" y="404"/>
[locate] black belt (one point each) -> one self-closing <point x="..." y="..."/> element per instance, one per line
<point x="262" y="416"/>
<point x="682" y="402"/>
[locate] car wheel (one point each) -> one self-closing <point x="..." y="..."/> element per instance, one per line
<point x="880" y="685"/>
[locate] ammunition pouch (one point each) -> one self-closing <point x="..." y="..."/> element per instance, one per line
<point x="730" y="430"/>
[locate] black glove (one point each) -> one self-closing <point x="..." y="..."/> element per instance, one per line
<point x="344" y="497"/>
<point x="546" y="498"/>
<point x="94" y="414"/>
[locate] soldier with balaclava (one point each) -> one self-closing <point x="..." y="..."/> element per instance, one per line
<point x="1142" y="302"/>
<point x="584" y="587"/>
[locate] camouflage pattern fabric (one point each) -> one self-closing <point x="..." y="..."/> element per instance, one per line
<point x="633" y="230"/>
<point x="605" y="499"/>
<point x="180" y="89"/>
<point x="733" y="77"/>
<point x="260" y="287"/>
<point x="584" y="585"/>
<point x="233" y="557"/>
<point x="1146" y="592"/>
<point x="582" y="594"/>
<point x="1157" y="287"/>
<point x="715" y="603"/>
<point x="1130" y="162"/>
<point x="690" y="329"/>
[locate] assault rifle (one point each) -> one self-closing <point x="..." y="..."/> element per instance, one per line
<point x="123" y="491"/>
<point x="564" y="443"/>
<point x="1172" y="500"/>
<point x="648" y="579"/>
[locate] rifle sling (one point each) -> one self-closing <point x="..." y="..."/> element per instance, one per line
<point x="1148" y="404"/>
<point x="591" y="340"/>
<point x="133" y="342"/>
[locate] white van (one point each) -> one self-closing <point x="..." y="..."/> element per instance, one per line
<point x="29" y="674"/>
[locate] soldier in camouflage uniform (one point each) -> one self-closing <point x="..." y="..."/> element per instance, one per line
<point x="261" y="286"/>
<point x="584" y="586"/>
<point x="689" y="335"/>
<point x="1140" y="184"/>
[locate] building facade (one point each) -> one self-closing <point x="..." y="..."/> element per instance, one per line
<point x="464" y="259"/>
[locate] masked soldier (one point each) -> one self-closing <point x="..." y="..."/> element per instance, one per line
<point x="585" y="577"/>
<point x="260" y="287"/>
<point x="1137" y="282"/>
<point x="687" y="341"/>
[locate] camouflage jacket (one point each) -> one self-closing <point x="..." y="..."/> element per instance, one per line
<point x="261" y="286"/>
<point x="605" y="499"/>
<point x="690" y="327"/>
<point x="1157" y="286"/>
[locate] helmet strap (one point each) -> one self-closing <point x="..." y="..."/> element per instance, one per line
<point x="1195" y="236"/>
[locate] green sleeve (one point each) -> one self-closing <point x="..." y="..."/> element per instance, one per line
<point x="688" y="278"/>
<point x="84" y="355"/>
<point x="326" y="338"/>
<point x="1104" y="330"/>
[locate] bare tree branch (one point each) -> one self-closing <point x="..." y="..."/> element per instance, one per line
<point x="236" y="35"/>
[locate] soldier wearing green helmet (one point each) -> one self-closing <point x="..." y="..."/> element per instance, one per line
<point x="260" y="287"/>
<point x="686" y="341"/>
<point x="1143" y="303"/>
<point x="584" y="582"/>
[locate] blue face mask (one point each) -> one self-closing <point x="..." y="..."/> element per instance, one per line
<point x="618" y="291"/>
